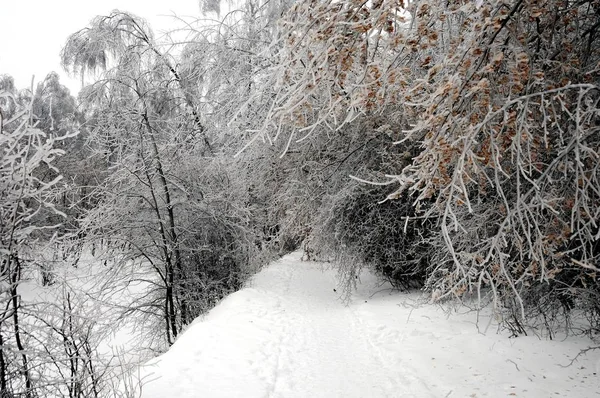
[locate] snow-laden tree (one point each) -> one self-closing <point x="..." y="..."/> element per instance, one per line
<point x="55" y="112"/>
<point x="168" y="203"/>
<point x="496" y="105"/>
<point x="26" y="202"/>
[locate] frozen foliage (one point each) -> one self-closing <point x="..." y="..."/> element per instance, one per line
<point x="496" y="106"/>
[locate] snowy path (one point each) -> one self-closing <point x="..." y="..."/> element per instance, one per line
<point x="288" y="335"/>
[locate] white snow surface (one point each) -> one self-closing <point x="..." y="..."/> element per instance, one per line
<point x="289" y="335"/>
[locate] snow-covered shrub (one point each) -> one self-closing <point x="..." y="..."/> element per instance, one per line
<point x="217" y="234"/>
<point x="359" y="231"/>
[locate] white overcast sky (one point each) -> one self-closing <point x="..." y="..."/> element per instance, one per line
<point x="33" y="32"/>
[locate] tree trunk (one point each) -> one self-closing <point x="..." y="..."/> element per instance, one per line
<point x="15" y="278"/>
<point x="3" y="385"/>
<point x="169" y="237"/>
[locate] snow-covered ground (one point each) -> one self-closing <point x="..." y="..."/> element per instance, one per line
<point x="289" y="335"/>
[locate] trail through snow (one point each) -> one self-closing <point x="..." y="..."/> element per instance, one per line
<point x="289" y="335"/>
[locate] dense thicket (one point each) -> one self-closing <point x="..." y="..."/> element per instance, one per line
<point x="497" y="104"/>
